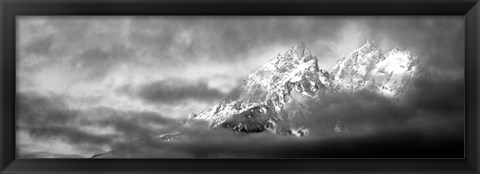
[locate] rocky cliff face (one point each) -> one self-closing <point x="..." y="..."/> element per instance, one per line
<point x="279" y="91"/>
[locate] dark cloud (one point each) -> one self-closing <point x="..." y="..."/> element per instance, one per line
<point x="386" y="144"/>
<point x="433" y="103"/>
<point x="135" y="124"/>
<point x="97" y="61"/>
<point x="46" y="119"/>
<point x="135" y="128"/>
<point x="173" y="90"/>
<point x="68" y="134"/>
<point x="200" y="142"/>
<point x="438" y="93"/>
<point x="40" y="46"/>
<point x="34" y="109"/>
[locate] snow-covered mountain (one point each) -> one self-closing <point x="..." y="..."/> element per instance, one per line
<point x="367" y="67"/>
<point x="279" y="91"/>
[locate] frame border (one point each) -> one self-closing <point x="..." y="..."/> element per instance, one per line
<point x="470" y="9"/>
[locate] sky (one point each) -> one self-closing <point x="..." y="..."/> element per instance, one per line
<point x="86" y="83"/>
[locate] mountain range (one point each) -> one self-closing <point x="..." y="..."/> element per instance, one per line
<point x="280" y="91"/>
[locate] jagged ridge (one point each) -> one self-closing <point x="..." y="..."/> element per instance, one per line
<point x="280" y="90"/>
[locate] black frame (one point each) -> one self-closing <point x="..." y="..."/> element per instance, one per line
<point x="470" y="9"/>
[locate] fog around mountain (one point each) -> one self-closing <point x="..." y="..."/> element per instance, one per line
<point x="127" y="86"/>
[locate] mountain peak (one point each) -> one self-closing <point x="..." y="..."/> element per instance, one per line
<point x="369" y="40"/>
<point x="291" y="66"/>
<point x="268" y="89"/>
<point x="301" y="45"/>
<point x="299" y="52"/>
<point x="352" y="71"/>
<point x="369" y="45"/>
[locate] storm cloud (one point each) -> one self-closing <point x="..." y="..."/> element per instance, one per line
<point x="432" y="106"/>
<point x="111" y="85"/>
<point x="168" y="91"/>
<point x="422" y="124"/>
<point x="43" y="119"/>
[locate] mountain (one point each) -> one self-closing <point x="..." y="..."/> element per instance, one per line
<point x="279" y="91"/>
<point x="367" y="67"/>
